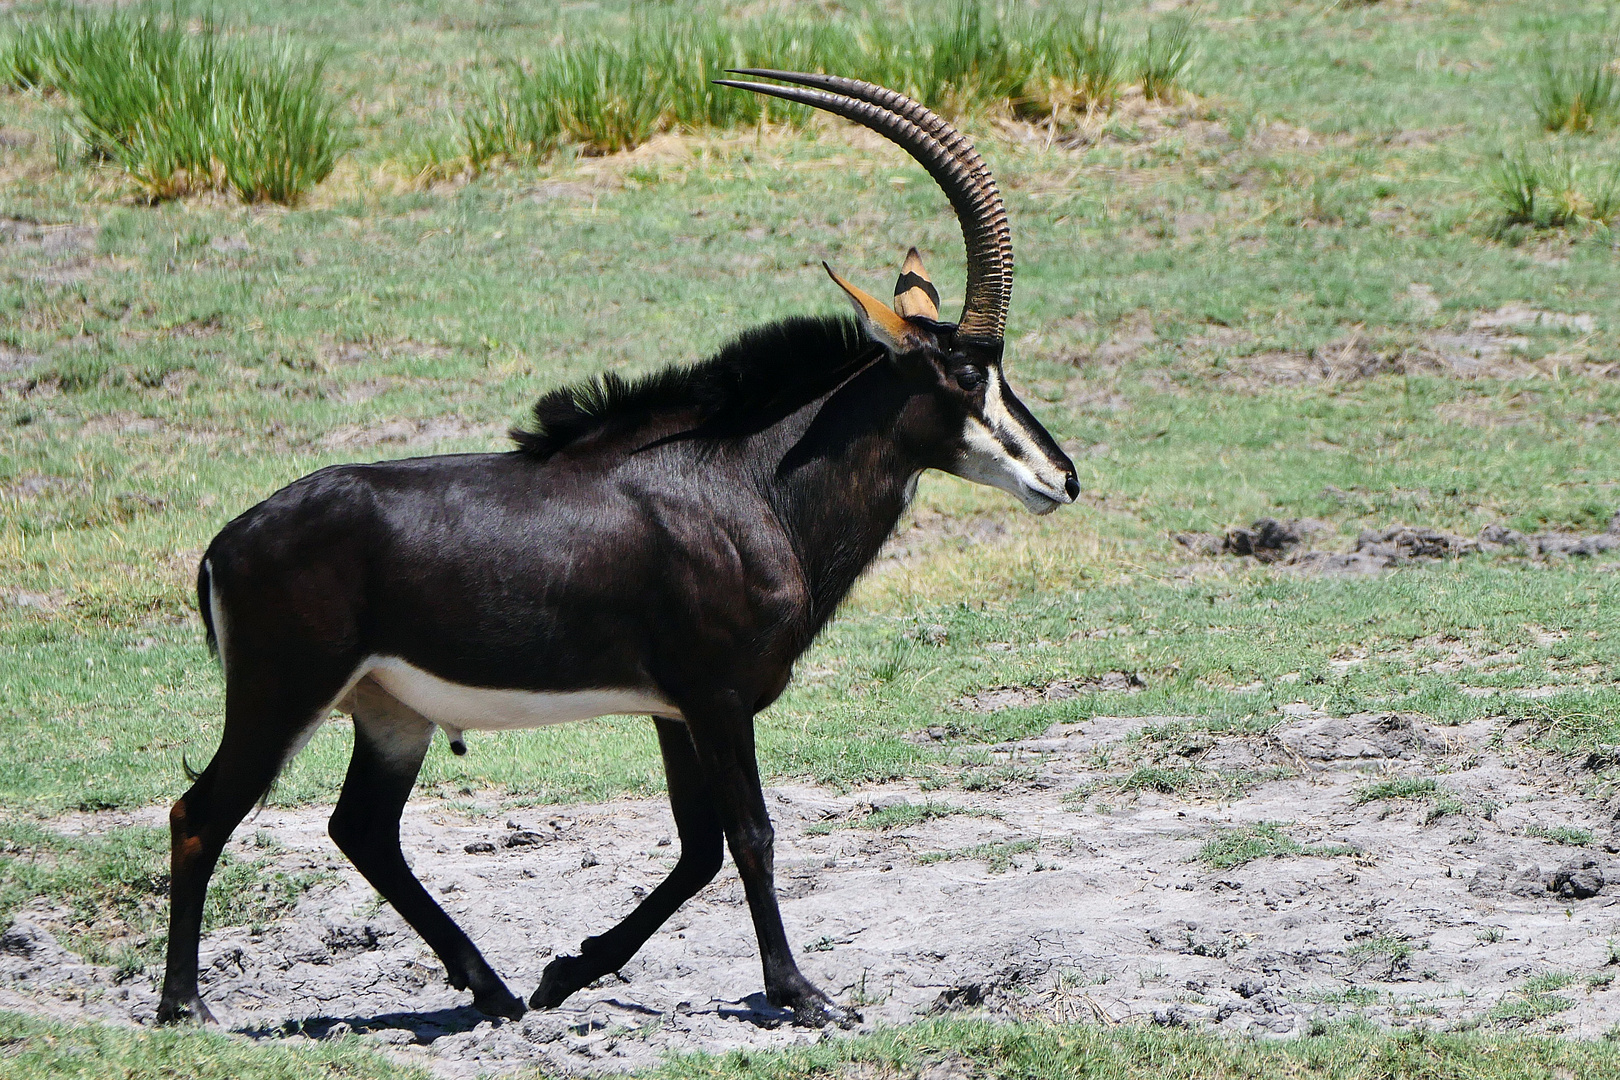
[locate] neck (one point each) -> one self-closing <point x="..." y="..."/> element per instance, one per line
<point x="844" y="481"/>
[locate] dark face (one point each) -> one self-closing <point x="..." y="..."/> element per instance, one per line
<point x="992" y="438"/>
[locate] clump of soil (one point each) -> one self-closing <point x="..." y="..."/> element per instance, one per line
<point x="1074" y="895"/>
<point x="1283" y="543"/>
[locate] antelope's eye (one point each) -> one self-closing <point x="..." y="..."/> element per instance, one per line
<point x="970" y="379"/>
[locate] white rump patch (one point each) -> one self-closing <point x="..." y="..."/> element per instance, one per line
<point x="458" y="708"/>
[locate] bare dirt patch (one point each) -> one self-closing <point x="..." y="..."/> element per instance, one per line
<point x="1495" y="345"/>
<point x="412" y="433"/>
<point x="1428" y="909"/>
<point x="929" y="531"/>
<point x="1284" y="544"/>
<point x="1016" y="697"/>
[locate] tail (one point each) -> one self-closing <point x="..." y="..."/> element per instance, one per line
<point x="205" y="604"/>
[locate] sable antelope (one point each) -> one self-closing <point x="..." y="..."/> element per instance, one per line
<point x="666" y="547"/>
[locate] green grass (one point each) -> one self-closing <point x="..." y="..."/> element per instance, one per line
<point x="1533" y="1001"/>
<point x="1576" y="81"/>
<point x="997" y="856"/>
<point x="1166" y="56"/>
<point x="37" y="1049"/>
<point x="1401" y="787"/>
<point x="1561" y="834"/>
<point x="40" y="1049"/>
<point x="901" y="816"/>
<point x="609" y="92"/>
<point x="109" y="893"/>
<point x="1551" y="188"/>
<point x="1386" y="951"/>
<point x="1318" y="183"/>
<point x="1246" y="843"/>
<point x="183" y="111"/>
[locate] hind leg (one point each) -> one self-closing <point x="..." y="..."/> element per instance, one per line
<point x="251" y="752"/>
<point x="702" y="848"/>
<point x="390" y="741"/>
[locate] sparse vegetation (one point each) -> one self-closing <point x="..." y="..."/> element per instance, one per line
<point x="1401" y="787"/>
<point x="183" y="111"/>
<point x="1561" y="834"/>
<point x="1246" y="843"/>
<point x="900" y="816"/>
<point x="1385" y="950"/>
<point x="112" y="890"/>
<point x="1163" y="780"/>
<point x="998" y="856"/>
<point x="1534" y="1000"/>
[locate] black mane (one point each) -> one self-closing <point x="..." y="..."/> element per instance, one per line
<point x="760" y="376"/>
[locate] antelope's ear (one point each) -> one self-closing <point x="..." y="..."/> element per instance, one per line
<point x="914" y="294"/>
<point x="881" y="324"/>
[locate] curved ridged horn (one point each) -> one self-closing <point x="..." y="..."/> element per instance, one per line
<point x="949" y="158"/>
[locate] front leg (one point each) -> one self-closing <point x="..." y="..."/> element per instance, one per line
<point x="722" y="731"/>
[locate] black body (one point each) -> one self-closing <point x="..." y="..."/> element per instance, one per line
<point x="680" y="540"/>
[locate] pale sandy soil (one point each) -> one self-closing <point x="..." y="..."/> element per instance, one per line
<point x="1106" y="917"/>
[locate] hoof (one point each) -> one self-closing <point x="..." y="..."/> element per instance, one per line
<point x="499" y="1002"/>
<point x="557" y="984"/>
<point x="191" y="1011"/>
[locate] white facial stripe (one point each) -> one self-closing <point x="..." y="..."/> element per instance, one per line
<point x="1000" y="451"/>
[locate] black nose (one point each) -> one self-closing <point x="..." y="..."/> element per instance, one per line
<point x="1072" y="488"/>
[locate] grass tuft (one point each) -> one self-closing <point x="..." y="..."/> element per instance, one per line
<point x="999" y="855"/>
<point x="1402" y="787"/>
<point x="1552" y="189"/>
<point x="180" y="111"/>
<point x="1533" y="1001"/>
<point x="1575" y="81"/>
<point x="1561" y="834"/>
<point x="606" y="94"/>
<point x="1166" y="57"/>
<point x="1246" y="843"/>
<point x="900" y="816"/>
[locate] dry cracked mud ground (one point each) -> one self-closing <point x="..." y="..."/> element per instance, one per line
<point x="1065" y="894"/>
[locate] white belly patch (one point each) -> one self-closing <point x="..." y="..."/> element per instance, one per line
<point x="456" y="708"/>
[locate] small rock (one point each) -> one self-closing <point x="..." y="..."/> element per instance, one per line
<point x="481" y="847"/>
<point x="889" y="802"/>
<point x="1248" y="988"/>
<point x="1578" y="879"/>
<point x="523" y="838"/>
<point x="589" y="861"/>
